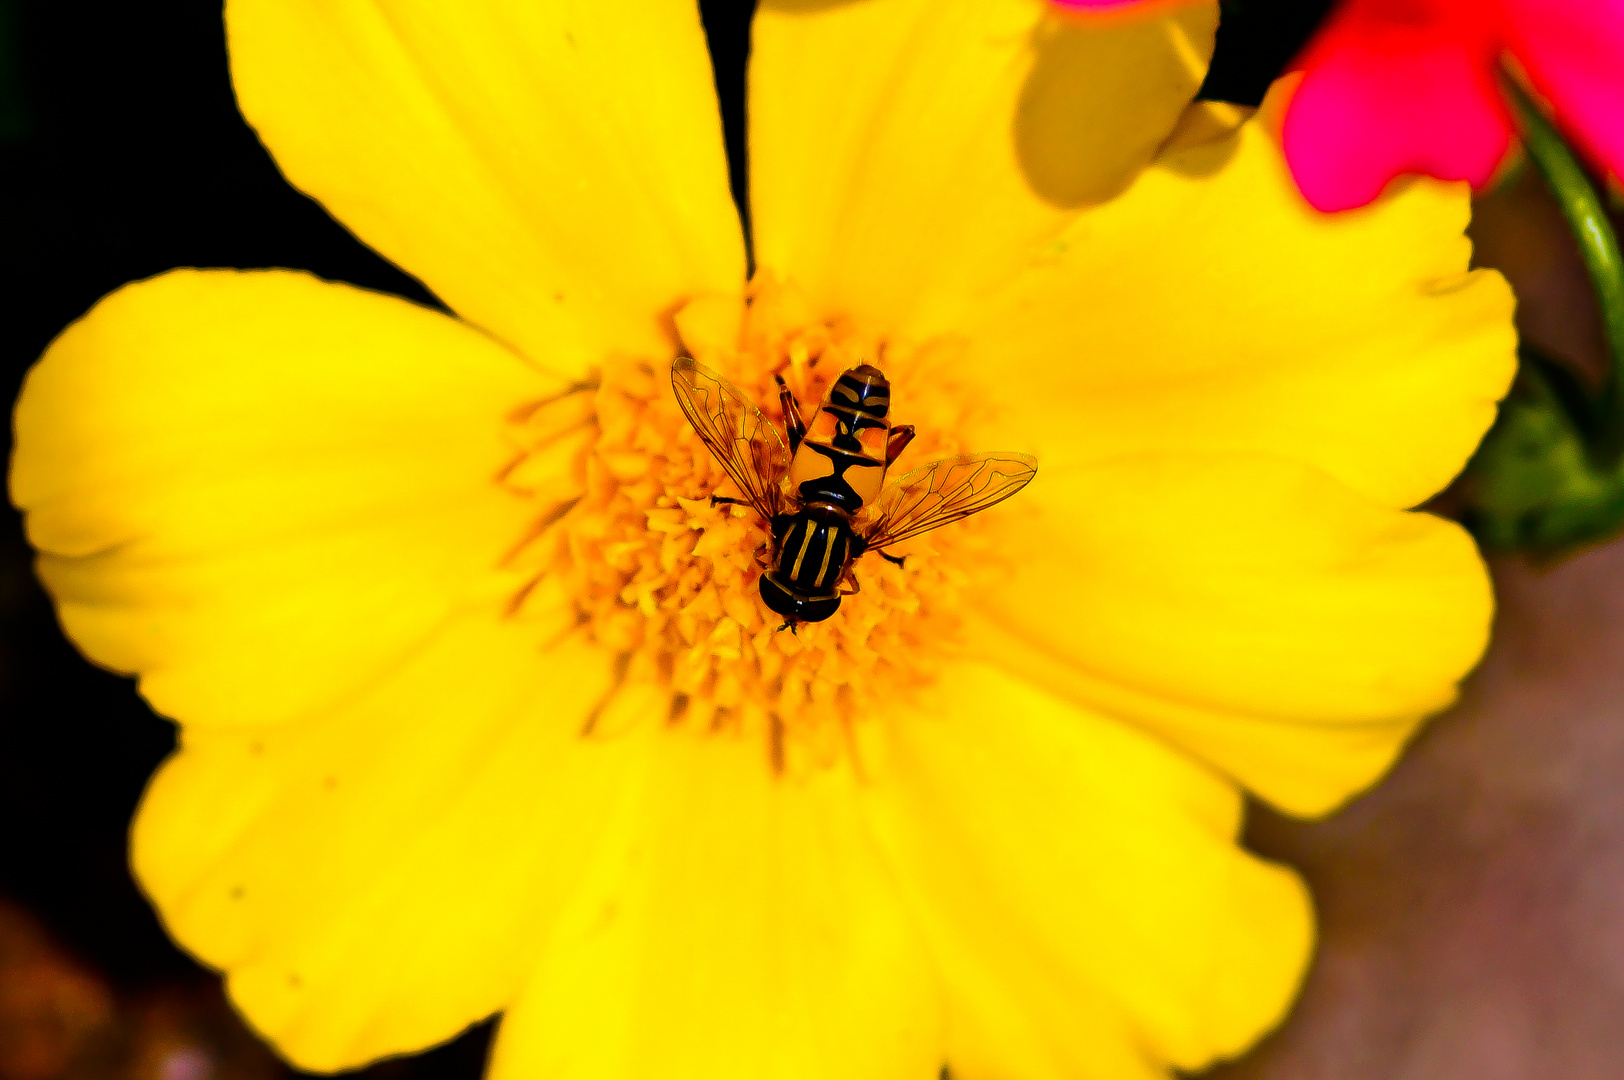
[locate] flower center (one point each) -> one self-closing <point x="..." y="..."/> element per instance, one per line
<point x="629" y="547"/>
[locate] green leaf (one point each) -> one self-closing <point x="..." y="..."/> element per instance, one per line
<point x="1533" y="485"/>
<point x="1549" y="476"/>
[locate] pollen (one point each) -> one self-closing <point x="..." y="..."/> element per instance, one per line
<point x="628" y="548"/>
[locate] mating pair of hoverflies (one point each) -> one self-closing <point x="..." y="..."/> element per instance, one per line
<point x="822" y="493"/>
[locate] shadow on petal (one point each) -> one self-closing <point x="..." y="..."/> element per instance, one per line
<point x="1077" y="140"/>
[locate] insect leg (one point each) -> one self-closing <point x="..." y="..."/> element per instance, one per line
<point x="793" y="424"/>
<point x="723" y="500"/>
<point x="900" y="560"/>
<point x="897" y="441"/>
<point x="849" y="578"/>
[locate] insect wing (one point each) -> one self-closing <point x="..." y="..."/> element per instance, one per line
<point x="746" y="443"/>
<point x="944" y="492"/>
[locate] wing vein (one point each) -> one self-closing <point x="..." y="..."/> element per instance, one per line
<point x="943" y="492"/>
<point x="738" y="434"/>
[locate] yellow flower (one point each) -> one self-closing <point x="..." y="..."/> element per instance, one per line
<point x="479" y="709"/>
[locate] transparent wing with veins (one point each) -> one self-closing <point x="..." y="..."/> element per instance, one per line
<point x="747" y="444"/>
<point x="944" y="492"/>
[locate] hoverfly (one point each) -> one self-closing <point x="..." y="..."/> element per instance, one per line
<point x="823" y="494"/>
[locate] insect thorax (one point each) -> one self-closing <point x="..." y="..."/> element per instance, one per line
<point x="813" y="548"/>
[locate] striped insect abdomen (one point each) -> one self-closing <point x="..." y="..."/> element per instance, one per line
<point x="842" y="458"/>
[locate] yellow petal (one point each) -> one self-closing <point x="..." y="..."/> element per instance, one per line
<point x="746" y="930"/>
<point x="907" y="154"/>
<point x="1081" y="886"/>
<point x="1254" y="610"/>
<point x="376" y="879"/>
<point x="1211" y="308"/>
<point x="554" y="172"/>
<point x="259" y="490"/>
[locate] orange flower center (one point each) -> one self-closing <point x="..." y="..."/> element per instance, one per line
<point x="629" y="549"/>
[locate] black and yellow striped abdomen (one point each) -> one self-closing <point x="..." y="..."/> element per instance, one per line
<point x="843" y="457"/>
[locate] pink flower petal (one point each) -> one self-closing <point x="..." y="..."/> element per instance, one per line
<point x="1394" y="88"/>
<point x="1573" y="51"/>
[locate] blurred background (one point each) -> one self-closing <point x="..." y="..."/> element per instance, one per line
<point x="1472" y="908"/>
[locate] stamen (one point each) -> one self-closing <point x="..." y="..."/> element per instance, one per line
<point x="630" y="548"/>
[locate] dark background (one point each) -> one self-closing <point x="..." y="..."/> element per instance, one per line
<point x="122" y="155"/>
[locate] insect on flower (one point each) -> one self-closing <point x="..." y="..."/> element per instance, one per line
<point x="823" y="494"/>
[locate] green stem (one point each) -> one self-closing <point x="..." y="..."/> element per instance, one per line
<point x="1598" y="244"/>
